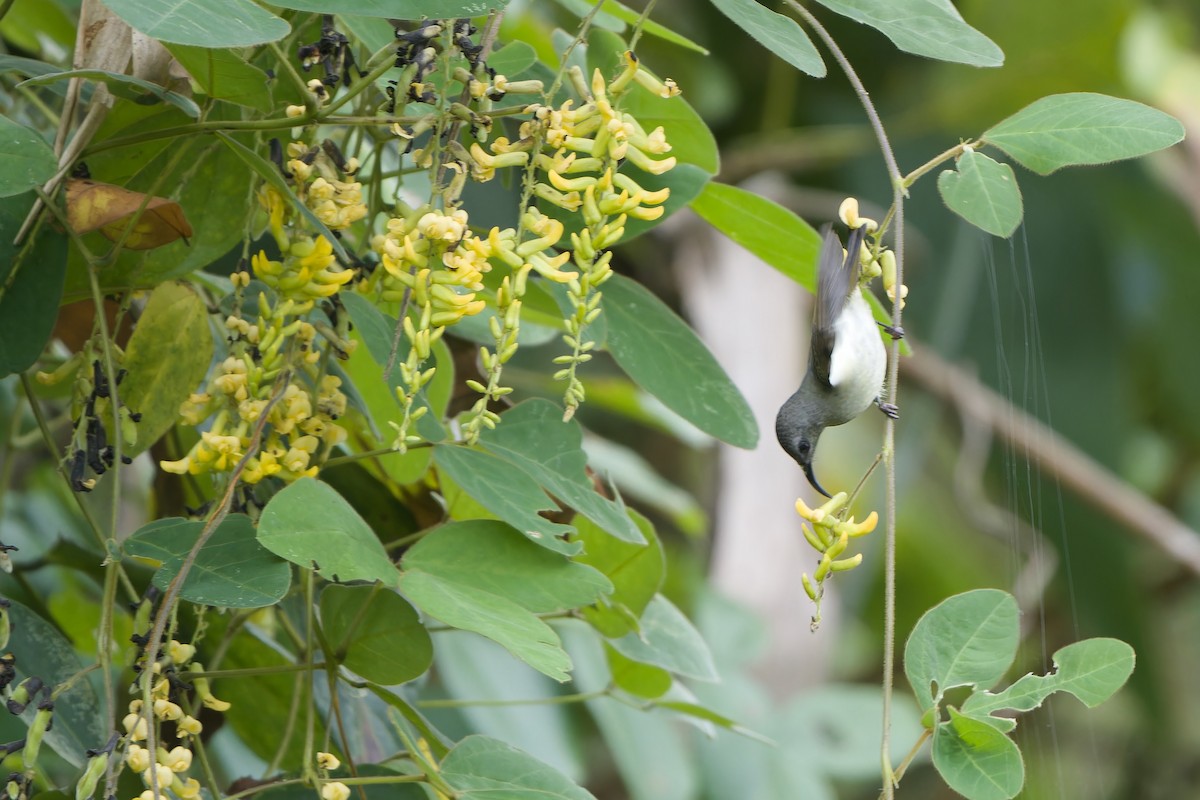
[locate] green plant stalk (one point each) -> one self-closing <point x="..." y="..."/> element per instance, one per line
<point x="307" y="770"/>
<point x="893" y="372"/>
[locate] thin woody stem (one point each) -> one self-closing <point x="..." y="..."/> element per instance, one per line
<point x="889" y="435"/>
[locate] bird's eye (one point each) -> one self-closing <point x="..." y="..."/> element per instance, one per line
<point x="803" y="446"/>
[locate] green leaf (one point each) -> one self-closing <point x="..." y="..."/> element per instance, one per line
<point x="669" y="640"/>
<point x="125" y="86"/>
<point x="400" y="9"/>
<point x="1092" y="670"/>
<point x="29" y="299"/>
<point x="309" y="523"/>
<point x="223" y="75"/>
<point x="969" y="639"/>
<point x="535" y="440"/>
<point x="262" y="708"/>
<point x="438" y="744"/>
<point x="42" y="651"/>
<point x="765" y="228"/>
<point x="976" y="760"/>
<point x="984" y="192"/>
<point x="665" y="357"/>
<point x="268" y="172"/>
<point x="464" y="606"/>
<point x="204" y="23"/>
<point x="206" y="170"/>
<point x="834" y="729"/>
<point x="167" y="358"/>
<point x="232" y="569"/>
<point x="930" y="28"/>
<point x="635" y="570"/>
<point x="496" y="558"/>
<point x="376" y="633"/>
<point x="25" y="161"/>
<point x="513" y="59"/>
<point x="480" y="768"/>
<point x="643" y="680"/>
<point x="511" y="495"/>
<point x="1064" y="130"/>
<point x="649" y="26"/>
<point x="29" y="67"/>
<point x="704" y="714"/>
<point x="780" y="35"/>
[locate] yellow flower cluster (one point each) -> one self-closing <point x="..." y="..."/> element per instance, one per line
<point x="308" y="273"/>
<point x="164" y="767"/>
<point x="433" y="266"/>
<point x="875" y="264"/>
<point x="282" y="339"/>
<point x="581" y="151"/>
<point x="830" y="535"/>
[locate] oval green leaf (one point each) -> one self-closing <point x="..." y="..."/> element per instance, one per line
<point x="984" y="192"/>
<point x="480" y="768"/>
<point x="1080" y="128"/>
<point x="223" y="75"/>
<point x="26" y="160"/>
<point x="969" y="639"/>
<point x="468" y="608"/>
<point x="376" y="633"/>
<point x="780" y="35"/>
<point x="534" y="439"/>
<point x="310" y="524"/>
<point x="496" y="558"/>
<point x="232" y="569"/>
<point x="668" y="639"/>
<point x="765" y="228"/>
<point x="204" y="23"/>
<point x="508" y="493"/>
<point x="636" y="572"/>
<point x="930" y="28"/>
<point x="976" y="760"/>
<point x="167" y="358"/>
<point x="664" y="356"/>
<point x="29" y="299"/>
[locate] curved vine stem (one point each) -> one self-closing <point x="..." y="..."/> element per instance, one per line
<point x="893" y="369"/>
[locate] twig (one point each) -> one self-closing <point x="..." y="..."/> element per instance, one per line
<point x="1091" y="481"/>
<point x="893" y="368"/>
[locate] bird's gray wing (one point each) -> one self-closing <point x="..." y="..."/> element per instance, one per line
<point x="835" y="280"/>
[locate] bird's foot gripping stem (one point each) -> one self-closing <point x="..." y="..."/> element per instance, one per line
<point x="891" y="330"/>
<point x="891" y="409"/>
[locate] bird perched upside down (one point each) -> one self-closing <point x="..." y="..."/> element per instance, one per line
<point x="847" y="359"/>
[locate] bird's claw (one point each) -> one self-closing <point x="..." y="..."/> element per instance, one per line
<point x="891" y="330"/>
<point x="891" y="409"/>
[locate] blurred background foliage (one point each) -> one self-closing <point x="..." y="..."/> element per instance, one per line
<point x="1086" y="319"/>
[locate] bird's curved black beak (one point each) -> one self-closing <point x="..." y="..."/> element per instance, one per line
<point x="808" y="472"/>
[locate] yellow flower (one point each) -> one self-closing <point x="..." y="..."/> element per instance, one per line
<point x="178" y="759"/>
<point x="328" y="761"/>
<point x="138" y="758"/>
<point x="335" y="790"/>
<point x="188" y="726"/>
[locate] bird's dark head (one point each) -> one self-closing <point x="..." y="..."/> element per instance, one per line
<point x="800" y="442"/>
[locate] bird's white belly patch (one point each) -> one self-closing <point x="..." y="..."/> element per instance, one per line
<point x="859" y="360"/>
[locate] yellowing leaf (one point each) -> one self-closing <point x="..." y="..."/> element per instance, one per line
<point x="93" y="206"/>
